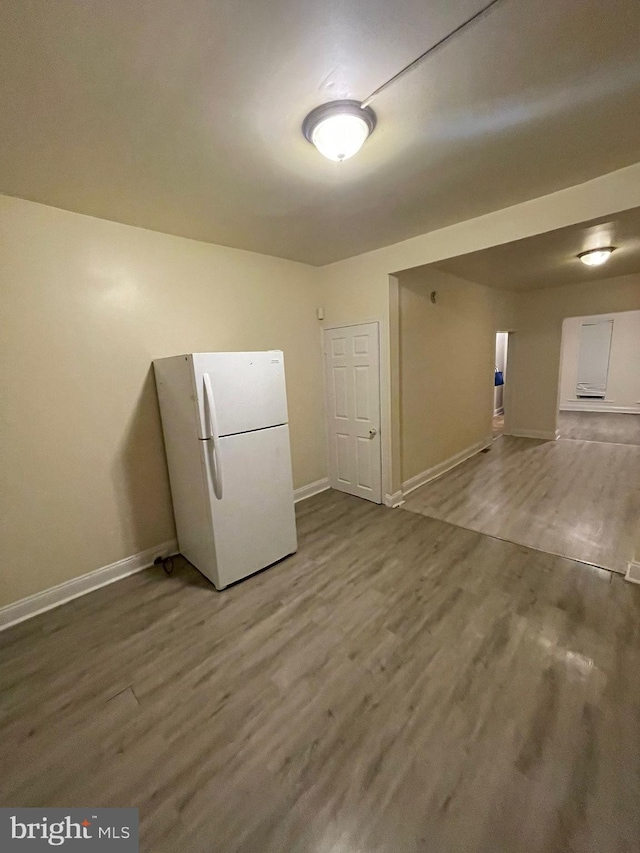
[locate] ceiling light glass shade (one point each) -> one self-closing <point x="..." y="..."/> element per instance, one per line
<point x="340" y="137"/>
<point x="595" y="257"/>
<point x="339" y="129"/>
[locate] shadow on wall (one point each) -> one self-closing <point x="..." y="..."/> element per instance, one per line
<point x="140" y="475"/>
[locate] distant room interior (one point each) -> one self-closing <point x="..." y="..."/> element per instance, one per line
<point x="549" y="457"/>
<point x="499" y="381"/>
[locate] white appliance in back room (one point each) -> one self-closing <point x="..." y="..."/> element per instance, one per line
<point x="226" y="433"/>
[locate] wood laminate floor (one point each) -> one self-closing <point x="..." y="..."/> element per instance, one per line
<point x="577" y="499"/>
<point x="612" y="427"/>
<point x="399" y="685"/>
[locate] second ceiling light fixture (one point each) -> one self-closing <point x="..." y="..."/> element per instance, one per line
<point x="339" y="129"/>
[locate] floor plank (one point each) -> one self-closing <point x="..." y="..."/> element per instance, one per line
<point x="400" y="684"/>
<point x="611" y="427"/>
<point x="576" y="499"/>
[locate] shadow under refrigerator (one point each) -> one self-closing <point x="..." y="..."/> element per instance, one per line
<point x="225" y="424"/>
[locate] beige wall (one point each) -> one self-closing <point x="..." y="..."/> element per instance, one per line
<point x="447" y="354"/>
<point x="87" y="305"/>
<point x="534" y="351"/>
<point x="623" y="380"/>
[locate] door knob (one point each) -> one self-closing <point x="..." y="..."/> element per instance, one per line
<point x="372" y="432"/>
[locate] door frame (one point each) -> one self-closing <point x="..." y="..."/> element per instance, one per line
<point x="385" y="437"/>
<point x="508" y="386"/>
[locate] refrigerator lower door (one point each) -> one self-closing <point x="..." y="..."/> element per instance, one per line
<point x="254" y="520"/>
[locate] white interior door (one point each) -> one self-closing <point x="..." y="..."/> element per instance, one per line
<point x="352" y="366"/>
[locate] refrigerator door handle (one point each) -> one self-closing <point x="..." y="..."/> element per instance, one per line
<point x="212" y="436"/>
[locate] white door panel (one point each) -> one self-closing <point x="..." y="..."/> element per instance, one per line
<point x="352" y="369"/>
<point x="248" y="389"/>
<point x="254" y="521"/>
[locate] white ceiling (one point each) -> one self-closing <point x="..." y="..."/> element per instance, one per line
<point x="551" y="259"/>
<point x="184" y="115"/>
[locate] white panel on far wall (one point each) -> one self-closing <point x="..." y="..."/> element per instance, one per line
<point x="623" y="377"/>
<point x="593" y="358"/>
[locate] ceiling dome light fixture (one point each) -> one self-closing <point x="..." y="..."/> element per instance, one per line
<point x="339" y="129"/>
<point x="595" y="257"/>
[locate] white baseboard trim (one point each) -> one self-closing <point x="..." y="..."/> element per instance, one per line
<point x="592" y="407"/>
<point x="393" y="500"/>
<point x="25" y="608"/>
<point x="633" y="572"/>
<point x="414" y="483"/>
<point x="311" y="489"/>
<point x="547" y="435"/>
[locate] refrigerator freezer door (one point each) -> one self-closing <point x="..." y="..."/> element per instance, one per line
<point x="254" y="521"/>
<point x="248" y="390"/>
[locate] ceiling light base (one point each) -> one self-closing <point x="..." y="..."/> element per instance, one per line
<point x="338" y="129"/>
<point x="596" y="257"/>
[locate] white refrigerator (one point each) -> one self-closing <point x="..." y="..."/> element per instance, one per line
<point x="226" y="434"/>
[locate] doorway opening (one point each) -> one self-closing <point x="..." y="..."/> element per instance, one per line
<point x="499" y="382"/>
